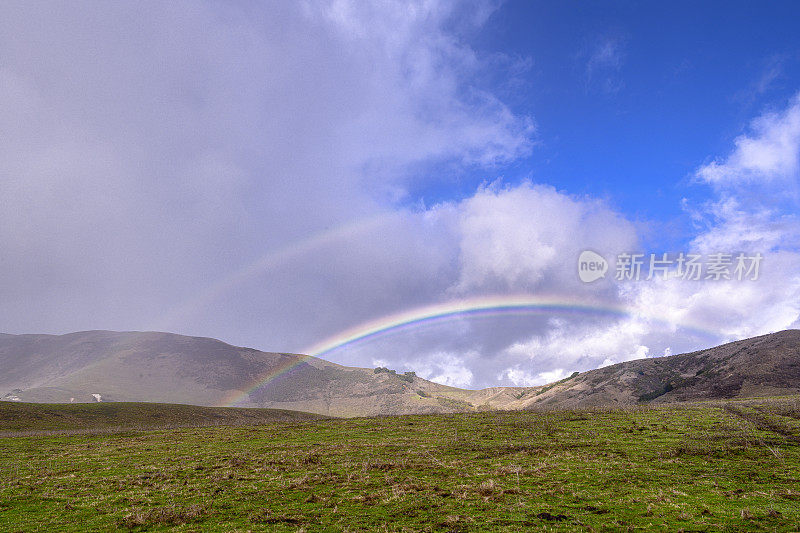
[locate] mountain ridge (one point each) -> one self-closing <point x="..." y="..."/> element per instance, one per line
<point x="170" y="368"/>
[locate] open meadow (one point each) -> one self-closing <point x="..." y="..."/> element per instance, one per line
<point x="702" y="467"/>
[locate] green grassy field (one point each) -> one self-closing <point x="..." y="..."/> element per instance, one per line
<point x="705" y="467"/>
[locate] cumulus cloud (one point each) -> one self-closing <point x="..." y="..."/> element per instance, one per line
<point x="746" y="217"/>
<point x="568" y="346"/>
<point x="769" y="153"/>
<point x="521" y="378"/>
<point x="500" y="226"/>
<point x="528" y="237"/>
<point x="620" y="341"/>
<point x="504" y="239"/>
<point x="445" y="368"/>
<point x="673" y="315"/>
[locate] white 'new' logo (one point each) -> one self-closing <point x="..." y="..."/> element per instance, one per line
<point x="591" y="266"/>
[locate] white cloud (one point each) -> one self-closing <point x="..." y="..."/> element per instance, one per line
<point x="750" y="216"/>
<point x="422" y="103"/>
<point x="570" y="345"/>
<point x="604" y="59"/>
<point x="730" y="309"/>
<point x="527" y="237"/>
<point x="735" y="224"/>
<point x="521" y="378"/>
<point x="445" y="368"/>
<point x="666" y="314"/>
<point x="770" y="153"/>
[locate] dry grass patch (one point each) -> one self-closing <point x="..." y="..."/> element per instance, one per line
<point x="168" y="516"/>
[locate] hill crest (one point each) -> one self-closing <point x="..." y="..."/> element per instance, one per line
<point x="169" y="368"/>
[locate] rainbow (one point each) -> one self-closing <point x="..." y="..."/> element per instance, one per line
<point x="478" y="307"/>
<point x="272" y="259"/>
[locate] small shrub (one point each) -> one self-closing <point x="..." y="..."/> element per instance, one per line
<point x="652" y="395"/>
<point x="408" y="376"/>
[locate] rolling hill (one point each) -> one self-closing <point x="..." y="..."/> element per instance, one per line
<point x="37" y="417"/>
<point x="169" y="368"/>
<point x="768" y="365"/>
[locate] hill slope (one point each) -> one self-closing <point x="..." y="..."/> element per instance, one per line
<point x="168" y="368"/>
<point x="16" y="417"/>
<point x="768" y="365"/>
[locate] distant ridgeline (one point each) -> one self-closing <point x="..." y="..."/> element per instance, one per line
<point x="107" y="366"/>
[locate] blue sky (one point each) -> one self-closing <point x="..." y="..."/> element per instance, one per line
<point x="278" y="174"/>
<point x="629" y="98"/>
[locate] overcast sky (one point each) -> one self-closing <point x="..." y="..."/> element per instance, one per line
<point x="272" y="174"/>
